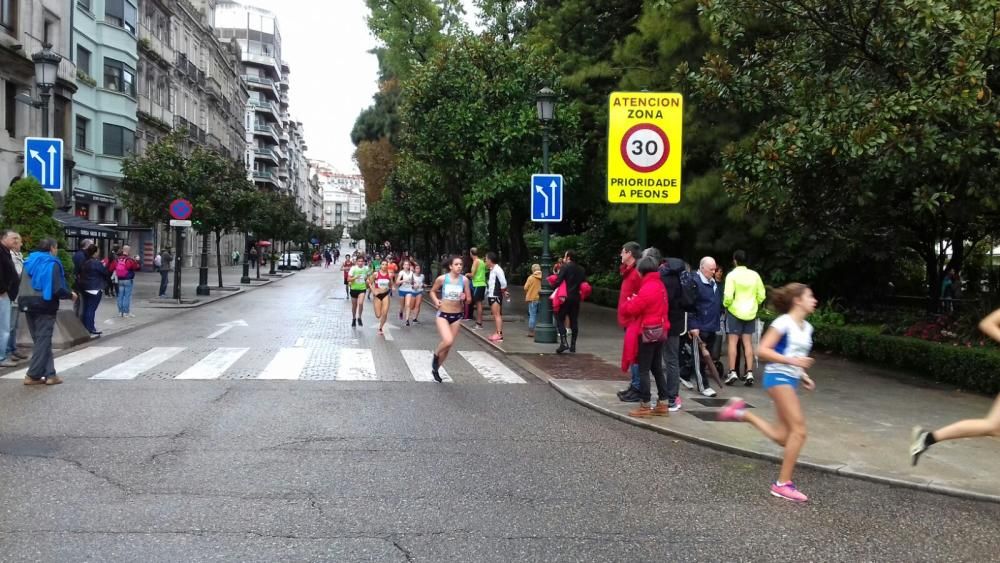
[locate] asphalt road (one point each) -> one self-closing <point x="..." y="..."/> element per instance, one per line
<point x="375" y="466"/>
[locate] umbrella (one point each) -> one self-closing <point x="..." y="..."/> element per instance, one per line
<point x="264" y="243"/>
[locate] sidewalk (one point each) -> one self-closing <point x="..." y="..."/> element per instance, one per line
<point x="859" y="417"/>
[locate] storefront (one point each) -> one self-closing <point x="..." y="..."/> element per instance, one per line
<point x="77" y="228"/>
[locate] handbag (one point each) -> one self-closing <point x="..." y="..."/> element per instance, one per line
<point x="28" y="298"/>
<point x="652" y="334"/>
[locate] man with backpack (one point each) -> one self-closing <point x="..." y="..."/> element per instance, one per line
<point x="680" y="300"/>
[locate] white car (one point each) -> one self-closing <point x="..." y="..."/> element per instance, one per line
<point x="290" y="260"/>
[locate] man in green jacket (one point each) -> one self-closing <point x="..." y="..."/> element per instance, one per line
<point x="743" y="294"/>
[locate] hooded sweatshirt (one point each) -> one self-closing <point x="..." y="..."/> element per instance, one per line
<point x="47" y="278"/>
<point x="532" y="286"/>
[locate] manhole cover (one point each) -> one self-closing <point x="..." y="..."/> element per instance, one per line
<point x="577" y="366"/>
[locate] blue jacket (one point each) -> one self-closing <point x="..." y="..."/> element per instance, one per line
<point x="47" y="278"/>
<point x="708" y="317"/>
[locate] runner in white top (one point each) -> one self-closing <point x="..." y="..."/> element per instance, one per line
<point x="496" y="290"/>
<point x="785" y="347"/>
<point x="418" y="292"/>
<point x="404" y="283"/>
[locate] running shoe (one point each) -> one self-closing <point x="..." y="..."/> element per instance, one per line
<point x="676" y="405"/>
<point x="788" y="492"/>
<point x="434" y="368"/>
<point x="354" y="323"/>
<point x="748" y="380"/>
<point x="400" y="315"/>
<point x="416" y="321"/>
<point x="919" y="444"/>
<point x="360" y="323"/>
<point x="708" y="392"/>
<point x="381" y="332"/>
<point x="495" y="338"/>
<point x="733" y="411"/>
<point x="687" y="384"/>
<point x="732" y="377"/>
<point x="407" y="323"/>
<point x="478" y="326"/>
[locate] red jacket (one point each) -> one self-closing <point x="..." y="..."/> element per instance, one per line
<point x="648" y="308"/>
<point x="631" y="280"/>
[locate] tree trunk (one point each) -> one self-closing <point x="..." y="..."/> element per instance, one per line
<point x="492" y="226"/>
<point x="518" y="248"/>
<point x="470" y="225"/>
<point x="218" y="255"/>
<point x="933" y="271"/>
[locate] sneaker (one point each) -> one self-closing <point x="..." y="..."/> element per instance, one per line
<point x="642" y="411"/>
<point x="748" y="380"/>
<point x="400" y="315"/>
<point x="732" y="377"/>
<point x="407" y="323"/>
<point x="733" y="411"/>
<point x="478" y="326"/>
<point x="354" y="323"/>
<point x="919" y="444"/>
<point x="661" y="408"/>
<point x="434" y="368"/>
<point x="53" y="380"/>
<point x="8" y="363"/>
<point x="788" y="492"/>
<point x="676" y="405"/>
<point x="19" y="355"/>
<point x="129" y="316"/>
<point x="416" y="321"/>
<point x="708" y="392"/>
<point x="28" y="380"/>
<point x="630" y="396"/>
<point x="495" y="338"/>
<point x="360" y="323"/>
<point x="687" y="384"/>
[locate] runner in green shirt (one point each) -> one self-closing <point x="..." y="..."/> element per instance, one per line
<point x="357" y="277"/>
<point x="478" y="275"/>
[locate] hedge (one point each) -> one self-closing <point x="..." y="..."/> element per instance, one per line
<point x="971" y="369"/>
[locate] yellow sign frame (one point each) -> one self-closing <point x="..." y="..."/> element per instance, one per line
<point x="645" y="144"/>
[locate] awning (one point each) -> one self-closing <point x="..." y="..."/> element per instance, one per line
<point x="81" y="228"/>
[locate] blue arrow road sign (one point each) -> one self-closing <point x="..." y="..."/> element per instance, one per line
<point x="546" y="198"/>
<point x="43" y="158"/>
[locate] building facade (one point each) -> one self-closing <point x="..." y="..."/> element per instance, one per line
<point x="343" y="195"/>
<point x="25" y="27"/>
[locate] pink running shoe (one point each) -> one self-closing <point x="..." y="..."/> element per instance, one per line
<point x="788" y="492"/>
<point x="496" y="338"/>
<point x="733" y="411"/>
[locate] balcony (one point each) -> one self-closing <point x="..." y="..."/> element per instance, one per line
<point x="264" y="129"/>
<point x="265" y="154"/>
<point x="263" y="106"/>
<point x="214" y="89"/>
<point x="261" y="83"/>
<point x="154" y="47"/>
<point x="262" y="59"/>
<point x="266" y="176"/>
<point x="283" y="172"/>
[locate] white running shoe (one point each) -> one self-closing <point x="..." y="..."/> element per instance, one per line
<point x="708" y="392"/>
<point x="732" y="377"/>
<point x="687" y="384"/>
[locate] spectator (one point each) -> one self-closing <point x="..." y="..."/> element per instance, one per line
<point x="18" y="259"/>
<point x="478" y="276"/>
<point x="573" y="276"/>
<point x="496" y="291"/>
<point x="647" y="313"/>
<point x="47" y="280"/>
<point x="670" y="271"/>
<point x="706" y="321"/>
<point x="93" y="279"/>
<point x="9" y="282"/>
<point x="631" y="282"/>
<point x="79" y="257"/>
<point x="166" y="266"/>
<point x="744" y="292"/>
<point x="125" y="267"/>
<point x="532" y="287"/>
<point x="112" y="289"/>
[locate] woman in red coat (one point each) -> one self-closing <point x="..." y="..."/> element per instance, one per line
<point x="646" y="311"/>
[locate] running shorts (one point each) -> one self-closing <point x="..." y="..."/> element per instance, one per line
<point x="736" y="325"/>
<point x="478" y="294"/>
<point x="775" y="379"/>
<point x="452" y="318"/>
<point x="357" y="292"/>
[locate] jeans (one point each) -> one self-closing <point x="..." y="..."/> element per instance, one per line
<point x="164" y="276"/>
<point x="5" y="312"/>
<point x="532" y="315"/>
<point x="12" y="340"/>
<point x="651" y="359"/>
<point x="125" y="296"/>
<point x="90" y="303"/>
<point x="672" y="360"/>
<point x="42" y="363"/>
<point x="634" y="370"/>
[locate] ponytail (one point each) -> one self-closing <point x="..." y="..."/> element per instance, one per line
<point x="784" y="297"/>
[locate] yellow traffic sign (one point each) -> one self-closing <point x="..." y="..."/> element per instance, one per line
<point x="644" y="147"/>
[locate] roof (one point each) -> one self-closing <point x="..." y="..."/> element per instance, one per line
<point x="80" y="227"/>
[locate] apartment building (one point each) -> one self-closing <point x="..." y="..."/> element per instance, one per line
<point x="26" y="26"/>
<point x="343" y="195"/>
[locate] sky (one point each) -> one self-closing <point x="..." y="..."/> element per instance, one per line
<point x="333" y="76"/>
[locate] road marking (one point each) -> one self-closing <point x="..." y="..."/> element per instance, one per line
<point x="286" y="364"/>
<point x="356" y="364"/>
<point x="130" y="368"/>
<point x="300" y="342"/>
<point x="419" y="363"/>
<point x="70" y="361"/>
<point x="387" y="331"/>
<point x="226" y="327"/>
<point x="213" y="365"/>
<point x="490" y="368"/>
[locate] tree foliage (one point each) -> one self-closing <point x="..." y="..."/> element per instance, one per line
<point x="27" y="209"/>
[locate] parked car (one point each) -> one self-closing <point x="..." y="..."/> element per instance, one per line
<point x="291" y="261"/>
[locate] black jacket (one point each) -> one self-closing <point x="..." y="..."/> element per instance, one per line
<point x="9" y="280"/>
<point x="93" y="275"/>
<point x="670" y="274"/>
<point x="573" y="275"/>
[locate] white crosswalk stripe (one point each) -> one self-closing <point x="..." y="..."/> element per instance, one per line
<point x="132" y="367"/>
<point x="72" y="360"/>
<point x="214" y="365"/>
<point x="290" y="363"/>
<point x="490" y="368"/>
<point x="419" y="364"/>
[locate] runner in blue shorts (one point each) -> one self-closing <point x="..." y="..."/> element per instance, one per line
<point x="404" y="282"/>
<point x="786" y="346"/>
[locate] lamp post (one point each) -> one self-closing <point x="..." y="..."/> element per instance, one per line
<point x="245" y="279"/>
<point x="545" y="329"/>
<point x="46" y="68"/>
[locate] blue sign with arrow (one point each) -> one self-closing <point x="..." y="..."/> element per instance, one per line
<point x="546" y="198"/>
<point x="43" y="161"/>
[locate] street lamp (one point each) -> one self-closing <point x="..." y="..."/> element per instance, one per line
<point x="46" y="69"/>
<point x="545" y="329"/>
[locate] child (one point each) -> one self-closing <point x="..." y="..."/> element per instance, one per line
<point x="970" y="428"/>
<point x="786" y="347"/>
<point x="531" y="288"/>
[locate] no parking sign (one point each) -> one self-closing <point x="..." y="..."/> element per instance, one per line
<point x="644" y="147"/>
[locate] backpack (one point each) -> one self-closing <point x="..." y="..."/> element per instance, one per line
<point x="158" y="260"/>
<point x="121" y="269"/>
<point x="689" y="292"/>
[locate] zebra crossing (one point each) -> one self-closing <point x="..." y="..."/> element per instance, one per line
<point x="289" y="363"/>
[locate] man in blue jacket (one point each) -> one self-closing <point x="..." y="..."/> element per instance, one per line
<point x="48" y="280"/>
<point x="706" y="321"/>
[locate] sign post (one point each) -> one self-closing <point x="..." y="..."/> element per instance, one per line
<point x="645" y="134"/>
<point x="180" y="210"/>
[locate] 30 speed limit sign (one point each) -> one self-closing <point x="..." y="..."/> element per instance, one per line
<point x="644" y="147"/>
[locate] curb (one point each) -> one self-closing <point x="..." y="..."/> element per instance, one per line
<point x="835" y="469"/>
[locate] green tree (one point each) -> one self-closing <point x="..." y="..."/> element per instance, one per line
<point x="878" y="128"/>
<point x="155" y="178"/>
<point x="27" y="209"/>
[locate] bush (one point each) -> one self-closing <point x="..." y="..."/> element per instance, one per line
<point x="27" y="209"/>
<point x="972" y="369"/>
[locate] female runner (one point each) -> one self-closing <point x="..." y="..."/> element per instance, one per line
<point x="786" y="345"/>
<point x="969" y="428"/>
<point x="357" y="278"/>
<point x="381" y="286"/>
<point x="404" y="282"/>
<point x="418" y="292"/>
<point x="455" y="293"/>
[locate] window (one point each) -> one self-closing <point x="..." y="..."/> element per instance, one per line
<point x="10" y="108"/>
<point x="119" y="77"/>
<point x="121" y="13"/>
<point x="118" y="141"/>
<point x="81" y="133"/>
<point x="85" y="4"/>
<point x="8" y="14"/>
<point x="83" y="60"/>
